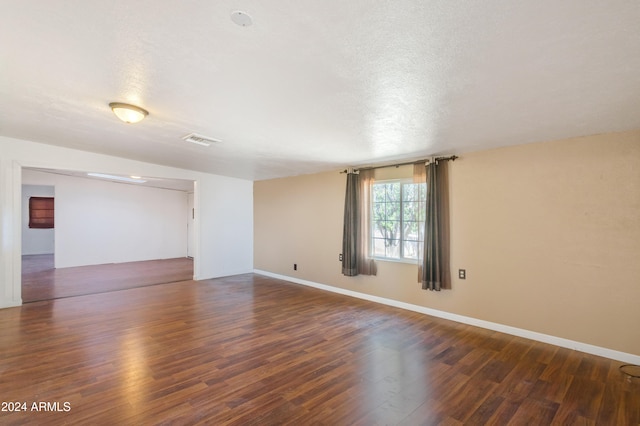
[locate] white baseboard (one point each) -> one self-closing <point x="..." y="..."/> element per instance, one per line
<point x="527" y="334"/>
<point x="10" y="304"/>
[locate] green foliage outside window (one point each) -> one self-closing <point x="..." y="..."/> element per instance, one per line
<point x="398" y="214"/>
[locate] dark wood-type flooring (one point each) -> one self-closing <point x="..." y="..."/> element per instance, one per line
<point x="249" y="350"/>
<point x="40" y="281"/>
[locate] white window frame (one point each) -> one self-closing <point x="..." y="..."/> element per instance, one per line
<point x="401" y="240"/>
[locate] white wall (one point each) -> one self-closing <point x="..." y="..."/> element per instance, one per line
<point x="34" y="240"/>
<point x="231" y="226"/>
<point x="106" y="222"/>
<point x="191" y="236"/>
<point x="224" y="209"/>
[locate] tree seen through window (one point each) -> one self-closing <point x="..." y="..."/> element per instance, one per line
<point x="398" y="213"/>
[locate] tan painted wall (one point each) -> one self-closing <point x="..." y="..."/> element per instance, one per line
<point x="549" y="234"/>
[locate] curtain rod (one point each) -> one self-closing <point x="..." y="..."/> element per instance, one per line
<point x="426" y="160"/>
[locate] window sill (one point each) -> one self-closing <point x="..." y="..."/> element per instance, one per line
<point x="388" y="259"/>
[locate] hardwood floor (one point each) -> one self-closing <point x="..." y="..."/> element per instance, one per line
<point x="248" y="349"/>
<point x="40" y="281"/>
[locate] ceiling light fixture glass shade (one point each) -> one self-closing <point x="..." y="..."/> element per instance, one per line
<point x="128" y="113"/>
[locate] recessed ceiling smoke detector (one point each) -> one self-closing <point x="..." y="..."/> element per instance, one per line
<point x="241" y="18"/>
<point x="200" y="140"/>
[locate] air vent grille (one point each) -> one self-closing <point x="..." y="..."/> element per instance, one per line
<point x="200" y="140"/>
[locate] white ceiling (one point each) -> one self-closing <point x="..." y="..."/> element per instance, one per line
<point x="316" y="85"/>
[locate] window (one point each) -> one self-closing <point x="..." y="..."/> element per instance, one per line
<point x="398" y="214"/>
<point x="41" y="212"/>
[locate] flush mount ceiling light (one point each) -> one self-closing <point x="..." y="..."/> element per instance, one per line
<point x="128" y="113"/>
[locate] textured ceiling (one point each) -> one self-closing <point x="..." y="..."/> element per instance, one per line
<point x="316" y="85"/>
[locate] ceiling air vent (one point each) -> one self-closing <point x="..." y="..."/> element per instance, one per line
<point x="200" y="140"/>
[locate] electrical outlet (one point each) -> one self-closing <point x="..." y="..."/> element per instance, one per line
<point x="340" y="257"/>
<point x="462" y="274"/>
<point x="295" y="266"/>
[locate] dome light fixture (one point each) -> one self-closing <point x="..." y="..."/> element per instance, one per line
<point x="128" y="113"/>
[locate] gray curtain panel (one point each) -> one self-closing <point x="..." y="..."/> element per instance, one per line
<point x="351" y="227"/>
<point x="366" y="265"/>
<point x="435" y="271"/>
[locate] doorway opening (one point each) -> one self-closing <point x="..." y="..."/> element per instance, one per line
<point x="38" y="239"/>
<point x="107" y="236"/>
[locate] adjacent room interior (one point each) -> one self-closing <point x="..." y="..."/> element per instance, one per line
<point x="108" y="234"/>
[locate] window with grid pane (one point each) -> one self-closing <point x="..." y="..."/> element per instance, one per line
<point x="398" y="213"/>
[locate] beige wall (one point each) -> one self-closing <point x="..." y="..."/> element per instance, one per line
<point x="549" y="234"/>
